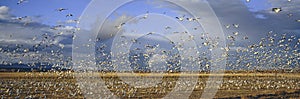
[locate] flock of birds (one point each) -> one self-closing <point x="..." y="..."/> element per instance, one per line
<point x="46" y="42"/>
<point x="274" y="51"/>
<point x="60" y="87"/>
<point x="182" y="18"/>
<point x="281" y="47"/>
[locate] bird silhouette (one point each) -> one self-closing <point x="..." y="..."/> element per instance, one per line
<point x="61" y="9"/>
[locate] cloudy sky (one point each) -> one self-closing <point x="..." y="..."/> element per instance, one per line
<point x="42" y="30"/>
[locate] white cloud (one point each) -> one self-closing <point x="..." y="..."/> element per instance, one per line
<point x="18" y="32"/>
<point x="27" y="36"/>
<point x="4" y="12"/>
<point x="112" y="26"/>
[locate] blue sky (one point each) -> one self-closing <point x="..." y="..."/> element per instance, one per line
<point x="255" y="20"/>
<point x="45" y="9"/>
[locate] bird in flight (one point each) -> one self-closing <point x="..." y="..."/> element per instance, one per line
<point x="20" y="1"/>
<point x="20" y="18"/>
<point x="61" y="9"/>
<point x="69" y="15"/>
<point x="180" y="18"/>
<point x="276" y="10"/>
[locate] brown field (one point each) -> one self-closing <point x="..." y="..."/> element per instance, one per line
<point x="235" y="85"/>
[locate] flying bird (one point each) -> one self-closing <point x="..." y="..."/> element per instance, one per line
<point x="20" y="1"/>
<point x="192" y="19"/>
<point x="146" y="15"/>
<point x="150" y="33"/>
<point x="227" y="26"/>
<point x="61" y="9"/>
<point x="56" y="27"/>
<point x="180" y="18"/>
<point x="290" y="15"/>
<point x="20" y="18"/>
<point x="236" y="25"/>
<point x="276" y="10"/>
<point x="69" y="15"/>
<point x="167" y="27"/>
<point x="119" y="26"/>
<point x="72" y="21"/>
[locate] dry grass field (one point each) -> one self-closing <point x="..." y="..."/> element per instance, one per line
<point x="235" y="85"/>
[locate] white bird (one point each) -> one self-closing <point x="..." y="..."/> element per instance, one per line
<point x="20" y="1"/>
<point x="227" y="26"/>
<point x="235" y="33"/>
<point x="72" y="21"/>
<point x="276" y="10"/>
<point x="192" y="19"/>
<point x="189" y="19"/>
<point x="69" y="15"/>
<point x="180" y="18"/>
<point x="146" y="15"/>
<point x="236" y="25"/>
<point x="20" y="18"/>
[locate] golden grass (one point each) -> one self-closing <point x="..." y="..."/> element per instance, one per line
<point x="30" y="78"/>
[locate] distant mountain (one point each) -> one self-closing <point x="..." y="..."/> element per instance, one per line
<point x="39" y="67"/>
